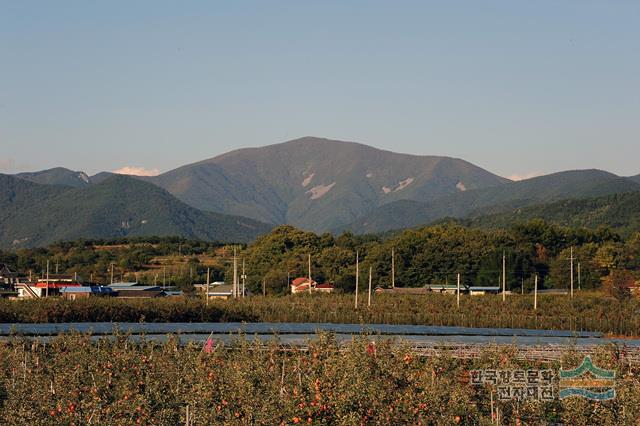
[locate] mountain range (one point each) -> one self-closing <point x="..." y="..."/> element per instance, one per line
<point x="316" y="184"/>
<point x="577" y="184"/>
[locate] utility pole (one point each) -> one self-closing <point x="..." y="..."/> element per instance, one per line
<point x="264" y="286"/>
<point x="309" y="273"/>
<point x="579" y="278"/>
<point x="393" y="268"/>
<point x="57" y="264"/>
<point x="535" y="293"/>
<point x="357" y="276"/>
<point x="458" y="292"/>
<point x="504" y="276"/>
<point x="206" y="294"/>
<point x="572" y="272"/>
<point x="47" y="288"/>
<point x="235" y="273"/>
<point x="244" y="278"/>
<point x="111" y="273"/>
<point x="164" y="277"/>
<point x="369" y="299"/>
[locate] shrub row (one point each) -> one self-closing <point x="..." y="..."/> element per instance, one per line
<point x="586" y="312"/>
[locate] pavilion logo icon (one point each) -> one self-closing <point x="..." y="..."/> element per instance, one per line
<point x="588" y="381"/>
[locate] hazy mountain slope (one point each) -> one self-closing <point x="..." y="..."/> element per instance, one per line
<point x="635" y="178"/>
<point x="34" y="214"/>
<point x="57" y="176"/>
<point x="621" y="212"/>
<point x="557" y="186"/>
<point x="18" y="193"/>
<point x="100" y="177"/>
<point x="318" y="184"/>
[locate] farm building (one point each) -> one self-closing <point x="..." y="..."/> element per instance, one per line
<point x="325" y="288"/>
<point x="134" y="290"/>
<point x="479" y="291"/>
<point x="220" y="290"/>
<point x="42" y="288"/>
<point x="7" y="276"/>
<point x="28" y="291"/>
<point x="403" y="290"/>
<point x="84" y="292"/>
<point x="445" y="288"/>
<point x="301" y="285"/>
<point x="173" y="293"/>
<point x="60" y="280"/>
<point x="440" y="288"/>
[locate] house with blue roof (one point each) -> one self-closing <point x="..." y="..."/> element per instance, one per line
<point x="84" y="292"/>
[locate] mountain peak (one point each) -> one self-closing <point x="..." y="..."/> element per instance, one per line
<point x="318" y="183"/>
<point x="57" y="176"/>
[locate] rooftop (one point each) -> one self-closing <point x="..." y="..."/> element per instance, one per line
<point x="124" y="284"/>
<point x="87" y="289"/>
<point x="117" y="287"/>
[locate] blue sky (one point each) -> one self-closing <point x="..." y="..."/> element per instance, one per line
<point x="517" y="87"/>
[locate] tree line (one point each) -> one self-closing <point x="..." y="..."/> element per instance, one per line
<point x="423" y="256"/>
<point x="436" y="254"/>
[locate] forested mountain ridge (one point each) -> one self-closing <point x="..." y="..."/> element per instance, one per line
<point x="544" y="189"/>
<point x="57" y="176"/>
<point x="316" y="183"/>
<point x="619" y="212"/>
<point x="32" y="214"/>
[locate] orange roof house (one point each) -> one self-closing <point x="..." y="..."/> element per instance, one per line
<point x="301" y="285"/>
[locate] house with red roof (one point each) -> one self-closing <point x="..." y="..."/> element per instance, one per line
<point x="325" y="288"/>
<point x="301" y="285"/>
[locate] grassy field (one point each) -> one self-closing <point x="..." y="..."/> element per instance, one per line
<point x="586" y="312"/>
<point x="72" y="380"/>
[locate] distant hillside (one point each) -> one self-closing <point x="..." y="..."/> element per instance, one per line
<point x="621" y="212"/>
<point x="543" y="189"/>
<point x="32" y="214"/>
<point x="100" y="177"/>
<point x="318" y="184"/>
<point x="57" y="176"/>
<point x="326" y="185"/>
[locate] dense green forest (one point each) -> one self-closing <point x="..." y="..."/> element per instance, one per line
<point x="429" y="255"/>
<point x="436" y="254"/>
<point x="620" y="212"/>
